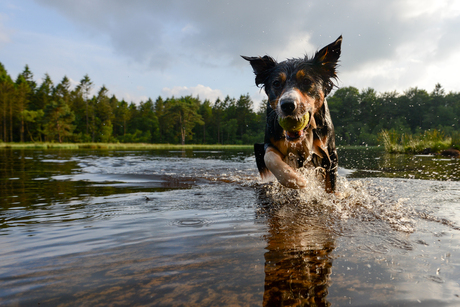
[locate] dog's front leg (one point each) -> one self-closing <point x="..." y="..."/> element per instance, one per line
<point x="285" y="174"/>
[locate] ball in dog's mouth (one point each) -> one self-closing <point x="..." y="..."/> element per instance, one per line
<point x="294" y="126"/>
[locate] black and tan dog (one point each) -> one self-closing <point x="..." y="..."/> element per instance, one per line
<point x="296" y="90"/>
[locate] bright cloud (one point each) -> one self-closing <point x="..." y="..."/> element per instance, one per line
<point x="146" y="48"/>
<point x="201" y="91"/>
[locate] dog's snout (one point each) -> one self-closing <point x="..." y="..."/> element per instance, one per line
<point x="288" y="106"/>
<point x="289" y="102"/>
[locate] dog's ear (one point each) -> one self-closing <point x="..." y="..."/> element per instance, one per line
<point x="261" y="67"/>
<point x="329" y="55"/>
<point x="327" y="59"/>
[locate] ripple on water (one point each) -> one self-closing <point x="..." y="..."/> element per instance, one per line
<point x="191" y="222"/>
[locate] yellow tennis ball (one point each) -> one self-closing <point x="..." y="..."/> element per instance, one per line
<point x="293" y="124"/>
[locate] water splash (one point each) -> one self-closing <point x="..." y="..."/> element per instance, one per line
<point x="354" y="200"/>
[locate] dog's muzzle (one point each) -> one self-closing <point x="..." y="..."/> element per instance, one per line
<point x="288" y="103"/>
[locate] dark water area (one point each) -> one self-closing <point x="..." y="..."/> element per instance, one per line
<point x="199" y="228"/>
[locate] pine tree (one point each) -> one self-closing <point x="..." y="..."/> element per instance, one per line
<point x="183" y="114"/>
<point x="59" y="119"/>
<point x="22" y="100"/>
<point x="86" y="85"/>
<point x="6" y="98"/>
<point x="103" y="116"/>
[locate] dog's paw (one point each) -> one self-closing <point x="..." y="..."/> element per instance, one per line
<point x="320" y="172"/>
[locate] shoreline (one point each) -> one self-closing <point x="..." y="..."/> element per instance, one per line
<point x="118" y="146"/>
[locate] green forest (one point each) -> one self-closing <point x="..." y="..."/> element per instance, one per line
<point x="32" y="111"/>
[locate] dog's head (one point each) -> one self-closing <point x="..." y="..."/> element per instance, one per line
<point x="298" y="86"/>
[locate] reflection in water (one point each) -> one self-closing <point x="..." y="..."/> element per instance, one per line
<point x="374" y="162"/>
<point x="298" y="263"/>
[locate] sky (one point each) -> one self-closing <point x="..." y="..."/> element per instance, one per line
<point x="142" y="49"/>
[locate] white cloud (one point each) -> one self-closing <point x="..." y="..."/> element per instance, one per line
<point x="201" y="91"/>
<point x="425" y="8"/>
<point x="151" y="48"/>
<point x="128" y="97"/>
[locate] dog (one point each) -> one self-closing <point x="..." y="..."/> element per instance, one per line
<point x="297" y="90"/>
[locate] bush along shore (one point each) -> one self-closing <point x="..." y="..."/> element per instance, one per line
<point x="429" y="142"/>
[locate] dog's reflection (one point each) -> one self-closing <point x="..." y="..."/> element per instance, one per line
<point x="297" y="262"/>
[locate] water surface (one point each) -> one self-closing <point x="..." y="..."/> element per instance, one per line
<point x="198" y="228"/>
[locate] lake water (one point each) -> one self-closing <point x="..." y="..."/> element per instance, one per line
<point x="198" y="228"/>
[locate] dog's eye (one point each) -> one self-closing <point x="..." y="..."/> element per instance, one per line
<point x="276" y="84"/>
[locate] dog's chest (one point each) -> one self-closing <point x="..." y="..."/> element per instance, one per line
<point x="297" y="160"/>
<point x="297" y="154"/>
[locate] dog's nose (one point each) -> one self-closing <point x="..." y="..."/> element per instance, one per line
<point x="288" y="106"/>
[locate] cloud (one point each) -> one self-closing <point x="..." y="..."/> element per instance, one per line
<point x="202" y="91"/>
<point x="161" y="33"/>
<point x="386" y="43"/>
<point x="164" y="33"/>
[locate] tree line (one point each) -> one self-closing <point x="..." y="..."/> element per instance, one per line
<point x="32" y="112"/>
<point x="360" y="116"/>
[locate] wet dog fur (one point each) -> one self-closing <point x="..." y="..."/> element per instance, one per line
<point x="295" y="87"/>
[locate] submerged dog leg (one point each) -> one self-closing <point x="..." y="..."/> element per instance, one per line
<point x="285" y="174"/>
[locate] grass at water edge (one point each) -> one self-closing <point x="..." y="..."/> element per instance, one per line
<point x="120" y="146"/>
